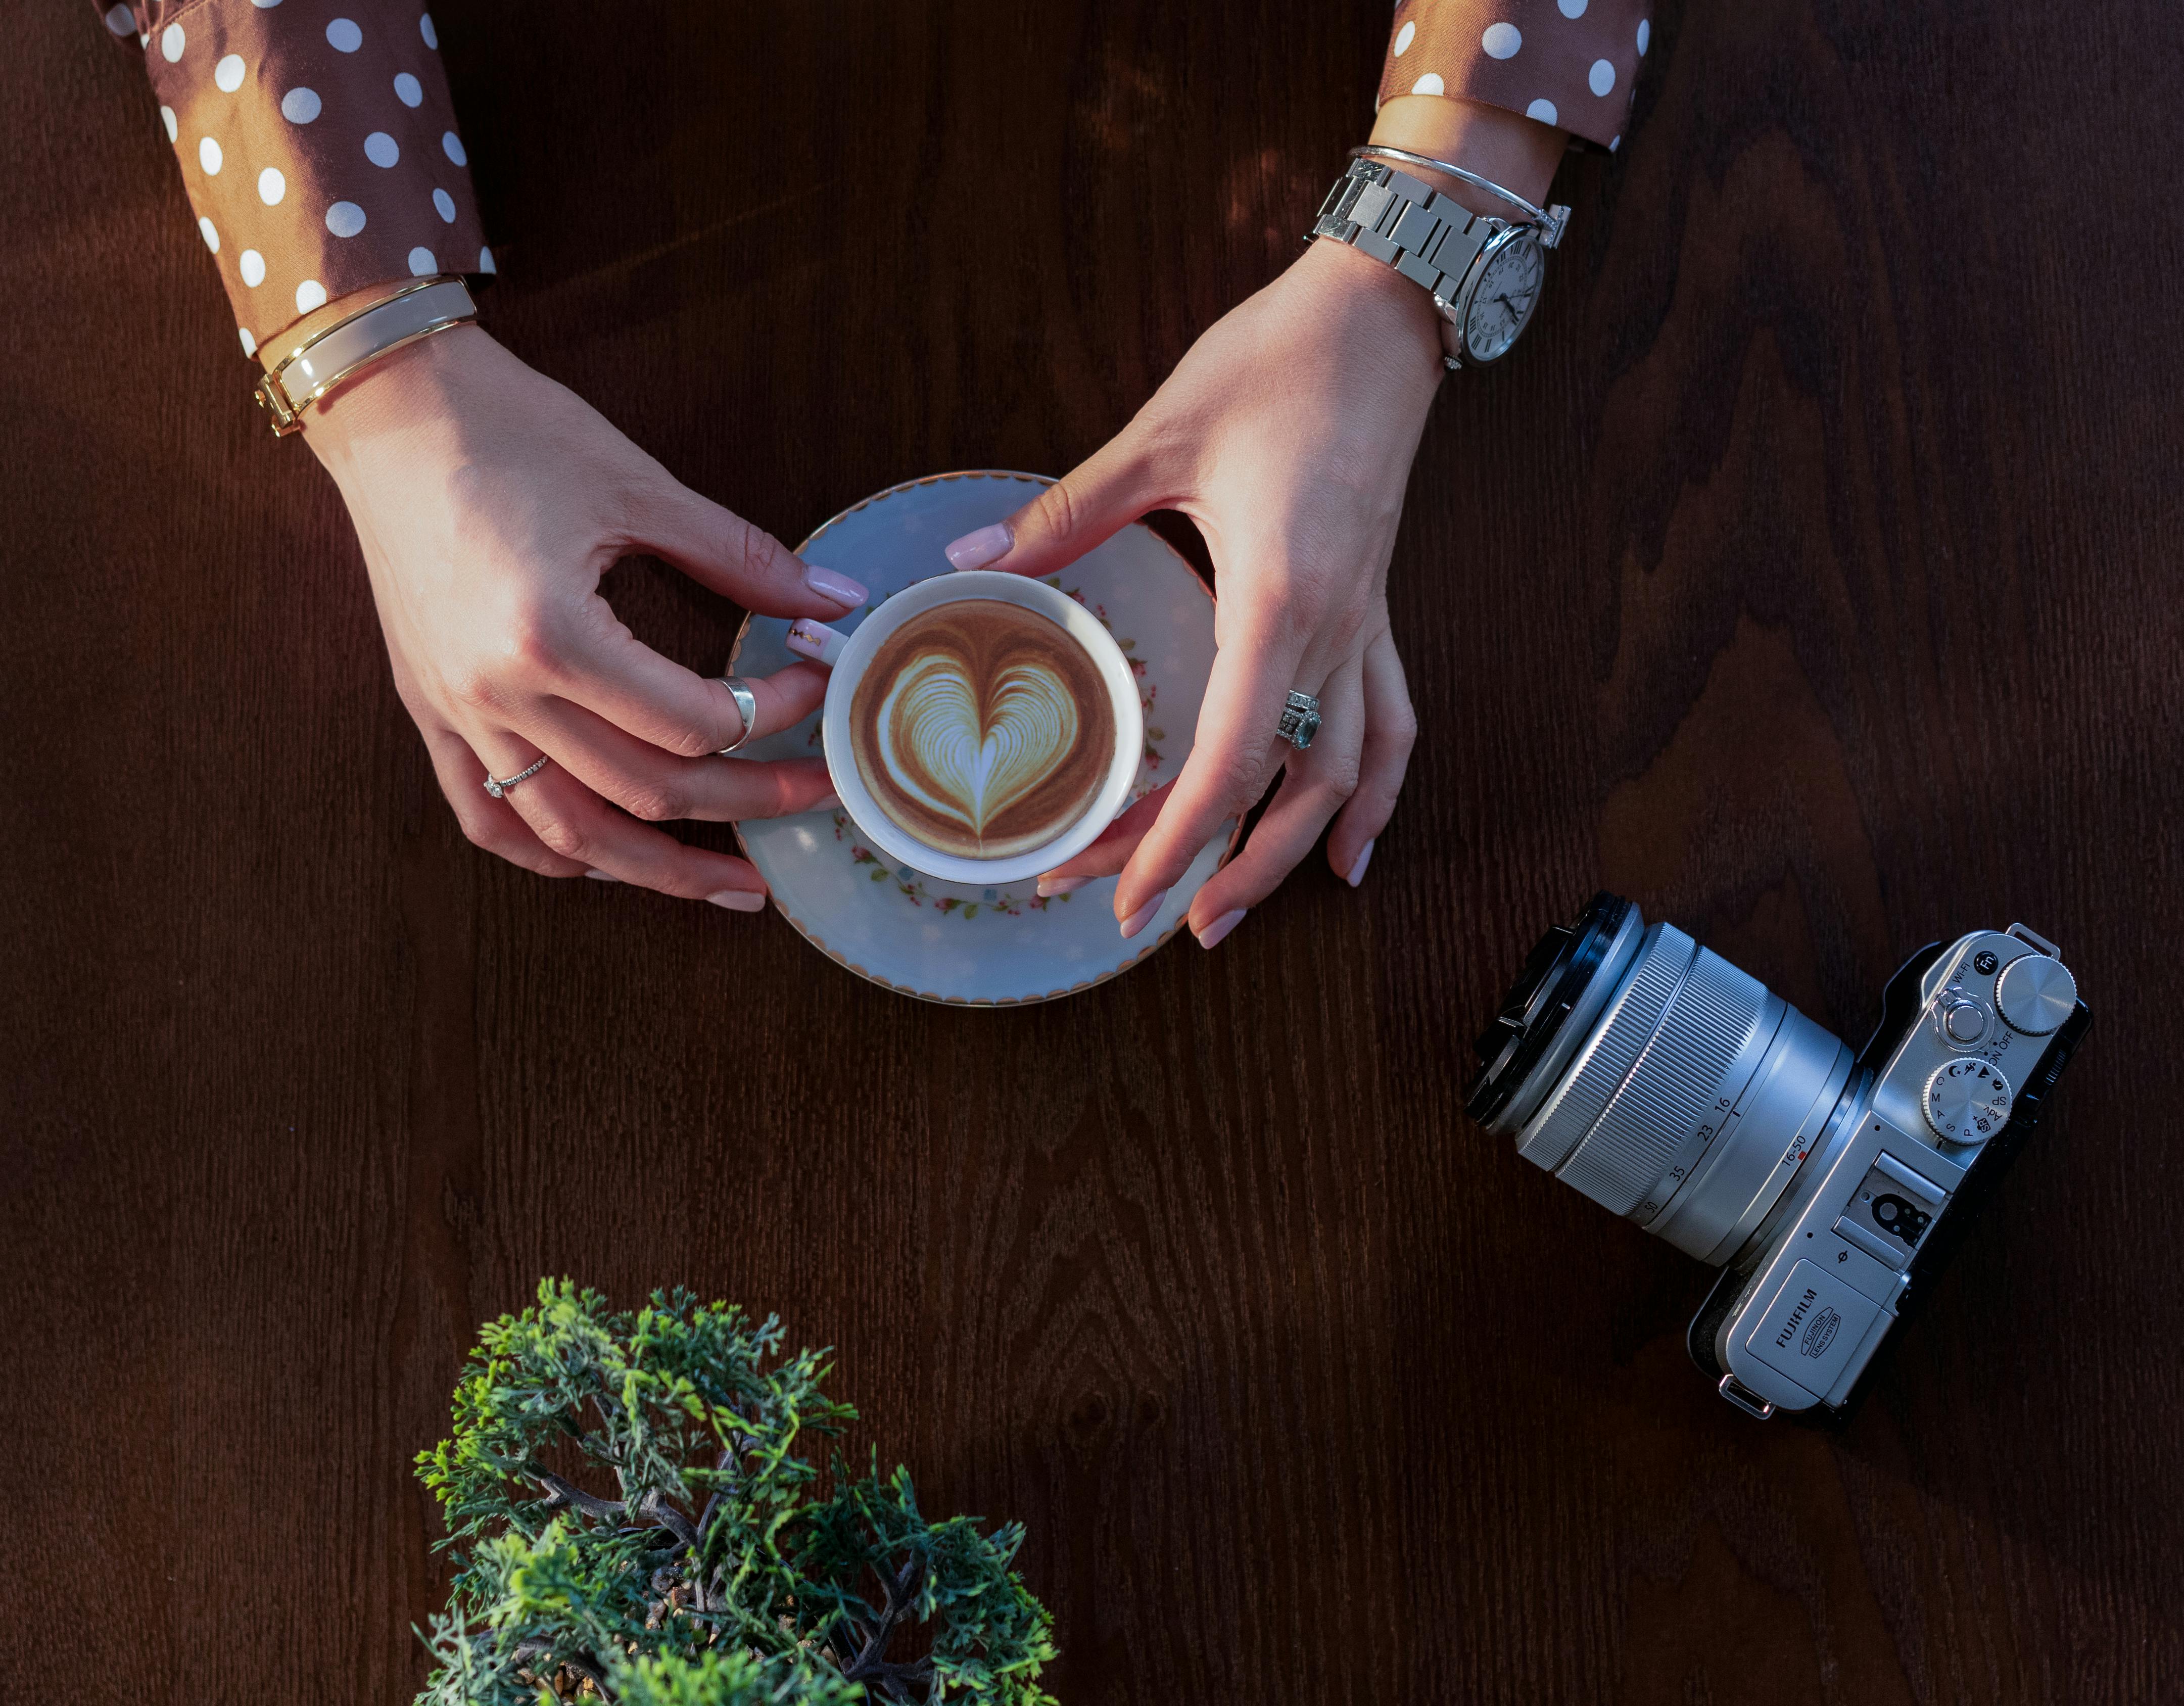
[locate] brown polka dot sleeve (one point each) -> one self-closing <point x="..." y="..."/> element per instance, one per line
<point x="317" y="142"/>
<point x="1571" y="63"/>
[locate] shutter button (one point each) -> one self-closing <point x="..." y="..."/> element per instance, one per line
<point x="1965" y="1023"/>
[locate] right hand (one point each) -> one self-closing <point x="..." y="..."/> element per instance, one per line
<point x="489" y="502"/>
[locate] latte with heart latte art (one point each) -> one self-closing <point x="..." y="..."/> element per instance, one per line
<point x="982" y="728"/>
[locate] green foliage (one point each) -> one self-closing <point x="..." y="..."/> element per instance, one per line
<point x="721" y="1568"/>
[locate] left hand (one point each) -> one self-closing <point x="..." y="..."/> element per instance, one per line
<point x="1286" y="433"/>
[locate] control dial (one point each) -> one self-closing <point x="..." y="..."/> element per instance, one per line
<point x="2035" y="994"/>
<point x="1967" y="1101"/>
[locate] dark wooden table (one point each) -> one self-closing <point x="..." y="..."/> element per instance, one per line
<point x="1811" y="576"/>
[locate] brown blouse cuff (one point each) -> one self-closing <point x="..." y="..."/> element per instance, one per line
<point x="317" y="142"/>
<point x="1571" y="63"/>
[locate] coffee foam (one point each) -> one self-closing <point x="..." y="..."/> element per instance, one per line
<point x="982" y="728"/>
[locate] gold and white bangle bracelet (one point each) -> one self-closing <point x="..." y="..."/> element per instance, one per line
<point x="350" y="346"/>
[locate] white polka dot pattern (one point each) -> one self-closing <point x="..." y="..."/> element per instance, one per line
<point x="320" y="146"/>
<point x="1570" y="64"/>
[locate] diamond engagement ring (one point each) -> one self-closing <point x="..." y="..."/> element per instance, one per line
<point x="1299" y="720"/>
<point x="746" y="708"/>
<point x="499" y="786"/>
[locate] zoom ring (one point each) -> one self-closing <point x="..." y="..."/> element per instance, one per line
<point x="1570" y="1112"/>
<point x="1678" y="1082"/>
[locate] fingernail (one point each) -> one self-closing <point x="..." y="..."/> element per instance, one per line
<point x="987" y="545"/>
<point x="1221" y="927"/>
<point x="1358" y="871"/>
<point x="840" y="588"/>
<point x="1052" y="887"/>
<point x="740" y="900"/>
<point x="807" y="639"/>
<point x="831" y="802"/>
<point x="601" y="877"/>
<point x="1144" y="916"/>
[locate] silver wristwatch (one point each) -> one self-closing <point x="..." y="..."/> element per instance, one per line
<point x="1483" y="273"/>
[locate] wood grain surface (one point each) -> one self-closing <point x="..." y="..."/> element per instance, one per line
<point x="1811" y="576"/>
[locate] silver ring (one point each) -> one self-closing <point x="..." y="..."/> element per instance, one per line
<point x="1299" y="720"/>
<point x="499" y="786"/>
<point x="746" y="708"/>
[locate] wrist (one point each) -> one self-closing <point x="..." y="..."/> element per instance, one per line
<point x="1355" y="286"/>
<point x="412" y="388"/>
<point x="1518" y="154"/>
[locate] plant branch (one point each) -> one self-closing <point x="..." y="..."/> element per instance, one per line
<point x="568" y="1493"/>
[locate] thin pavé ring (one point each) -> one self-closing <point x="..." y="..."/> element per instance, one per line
<point x="746" y="708"/>
<point x="1299" y="720"/>
<point x="499" y="786"/>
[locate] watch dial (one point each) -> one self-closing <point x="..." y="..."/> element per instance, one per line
<point x="1504" y="298"/>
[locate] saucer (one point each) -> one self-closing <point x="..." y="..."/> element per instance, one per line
<point x="943" y="941"/>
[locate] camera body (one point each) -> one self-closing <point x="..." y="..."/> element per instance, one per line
<point x="1669" y="1086"/>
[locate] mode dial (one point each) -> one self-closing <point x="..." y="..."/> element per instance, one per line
<point x="1967" y="1101"/>
<point x="2035" y="994"/>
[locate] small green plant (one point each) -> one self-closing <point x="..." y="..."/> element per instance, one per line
<point x="720" y="1567"/>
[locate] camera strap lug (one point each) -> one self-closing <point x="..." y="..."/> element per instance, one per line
<point x="1745" y="1398"/>
<point x="2033" y="938"/>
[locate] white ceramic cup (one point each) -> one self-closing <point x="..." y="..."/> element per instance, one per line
<point x="848" y="655"/>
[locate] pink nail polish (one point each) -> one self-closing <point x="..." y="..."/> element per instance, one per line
<point x="1144" y="916"/>
<point x="806" y="638"/>
<point x="1213" y="933"/>
<point x="740" y="900"/>
<point x="987" y="545"/>
<point x="1358" y="871"/>
<point x="1053" y="888"/>
<point x="839" y="588"/>
<point x="601" y="877"/>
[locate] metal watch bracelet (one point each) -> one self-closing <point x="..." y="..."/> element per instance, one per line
<point x="1441" y="246"/>
<point x="347" y="347"/>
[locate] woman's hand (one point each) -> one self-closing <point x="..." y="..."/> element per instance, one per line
<point x="1286" y="433"/>
<point x="489" y="501"/>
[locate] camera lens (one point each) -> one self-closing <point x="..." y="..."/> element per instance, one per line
<point x="1656" y="1077"/>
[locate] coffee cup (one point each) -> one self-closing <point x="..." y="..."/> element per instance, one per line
<point x="979" y="726"/>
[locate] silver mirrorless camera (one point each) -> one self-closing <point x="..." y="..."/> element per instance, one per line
<point x="1670" y="1087"/>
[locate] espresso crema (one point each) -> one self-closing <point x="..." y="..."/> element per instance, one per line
<point x="982" y="728"/>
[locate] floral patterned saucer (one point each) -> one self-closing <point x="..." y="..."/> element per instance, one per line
<point x="939" y="941"/>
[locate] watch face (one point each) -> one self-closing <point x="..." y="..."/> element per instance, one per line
<point x="1502" y="300"/>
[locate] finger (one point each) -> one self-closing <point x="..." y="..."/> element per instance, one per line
<point x="660" y="787"/>
<point x="1111" y="851"/>
<point x="718" y="548"/>
<point x="1098" y="498"/>
<point x="619" y="678"/>
<point x="1319" y="780"/>
<point x="1391" y="729"/>
<point x="575" y="824"/>
<point x="489" y="823"/>
<point x="1235" y="754"/>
